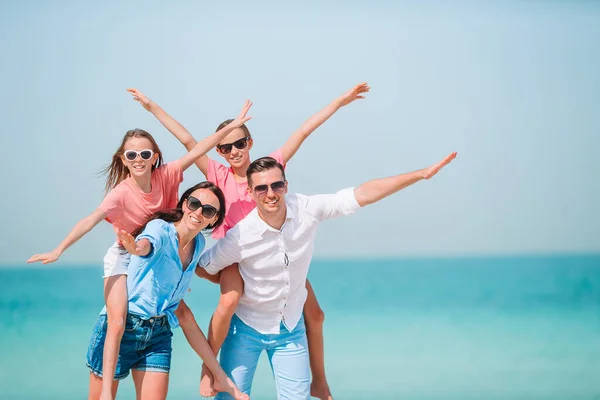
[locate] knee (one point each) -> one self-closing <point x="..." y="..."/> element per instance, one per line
<point x="314" y="315"/>
<point x="184" y="314"/>
<point x="228" y="303"/>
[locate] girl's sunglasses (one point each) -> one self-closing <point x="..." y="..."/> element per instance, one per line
<point x="208" y="211"/>
<point x="131" y="155"/>
<point x="239" y="144"/>
<point x="276" y="187"/>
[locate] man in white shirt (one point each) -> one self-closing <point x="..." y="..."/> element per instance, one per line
<point x="273" y="246"/>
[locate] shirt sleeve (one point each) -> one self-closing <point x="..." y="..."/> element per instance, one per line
<point x="112" y="205"/>
<point x="172" y="172"/>
<point x="221" y="255"/>
<point x="155" y="231"/>
<point x="325" y="206"/>
<point x="278" y="156"/>
<point x="216" y="172"/>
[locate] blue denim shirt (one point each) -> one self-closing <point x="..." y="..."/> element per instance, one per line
<point x="157" y="282"/>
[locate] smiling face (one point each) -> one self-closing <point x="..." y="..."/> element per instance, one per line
<point x="200" y="210"/>
<point x="237" y="158"/>
<point x="139" y="167"/>
<point x="268" y="189"/>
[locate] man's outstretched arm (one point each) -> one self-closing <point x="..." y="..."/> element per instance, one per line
<point x="377" y="189"/>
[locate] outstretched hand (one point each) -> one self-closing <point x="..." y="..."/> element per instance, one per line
<point x="434" y="169"/>
<point x="241" y="119"/>
<point x="45" y="258"/>
<point x="140" y="98"/>
<point x="128" y="241"/>
<point x="354" y="94"/>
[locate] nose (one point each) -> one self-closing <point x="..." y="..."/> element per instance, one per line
<point x="235" y="151"/>
<point x="270" y="192"/>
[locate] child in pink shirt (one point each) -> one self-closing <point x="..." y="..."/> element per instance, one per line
<point x="138" y="185"/>
<point x="232" y="181"/>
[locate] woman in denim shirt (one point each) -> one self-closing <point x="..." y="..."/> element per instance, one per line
<point x="164" y="254"/>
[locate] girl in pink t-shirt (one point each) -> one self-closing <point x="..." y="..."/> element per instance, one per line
<point x="234" y="148"/>
<point x="138" y="185"/>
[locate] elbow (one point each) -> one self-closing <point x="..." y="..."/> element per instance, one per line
<point x="184" y="314"/>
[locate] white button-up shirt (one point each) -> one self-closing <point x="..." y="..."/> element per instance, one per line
<point x="274" y="263"/>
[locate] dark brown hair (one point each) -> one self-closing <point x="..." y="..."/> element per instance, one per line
<point x="176" y="214"/>
<point x="116" y="171"/>
<point x="243" y="127"/>
<point x="263" y="164"/>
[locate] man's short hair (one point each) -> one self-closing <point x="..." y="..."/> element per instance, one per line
<point x="263" y="164"/>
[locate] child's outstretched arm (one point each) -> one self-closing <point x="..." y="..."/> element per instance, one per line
<point x="178" y="130"/>
<point x="78" y="231"/>
<point x="197" y="154"/>
<point x="295" y="141"/>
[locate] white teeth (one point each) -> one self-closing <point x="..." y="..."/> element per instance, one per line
<point x="195" y="220"/>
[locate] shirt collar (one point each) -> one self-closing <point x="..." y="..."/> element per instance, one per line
<point x="262" y="226"/>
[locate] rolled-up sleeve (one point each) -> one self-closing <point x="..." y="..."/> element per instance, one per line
<point x="221" y="255"/>
<point x="154" y="232"/>
<point x="325" y="206"/>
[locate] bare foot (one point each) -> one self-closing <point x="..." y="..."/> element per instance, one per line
<point x="320" y="391"/>
<point x="206" y="383"/>
<point x="228" y="386"/>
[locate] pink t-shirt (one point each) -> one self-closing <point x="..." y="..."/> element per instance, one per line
<point x="128" y="207"/>
<point x="237" y="199"/>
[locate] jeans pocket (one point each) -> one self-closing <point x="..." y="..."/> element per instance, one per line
<point x="132" y="323"/>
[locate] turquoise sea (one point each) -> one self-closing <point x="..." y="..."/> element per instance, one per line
<point x="461" y="328"/>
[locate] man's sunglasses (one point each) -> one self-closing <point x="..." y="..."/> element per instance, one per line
<point x="208" y="211"/>
<point x="131" y="155"/>
<point x="276" y="187"/>
<point x="239" y="144"/>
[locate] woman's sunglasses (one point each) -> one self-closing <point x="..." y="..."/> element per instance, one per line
<point x="208" y="211"/>
<point x="131" y="155"/>
<point x="276" y="187"/>
<point x="239" y="144"/>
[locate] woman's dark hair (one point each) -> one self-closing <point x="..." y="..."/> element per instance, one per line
<point x="243" y="127"/>
<point x="116" y="171"/>
<point x="263" y="164"/>
<point x="176" y="214"/>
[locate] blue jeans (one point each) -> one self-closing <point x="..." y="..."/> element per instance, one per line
<point x="288" y="356"/>
<point x="146" y="345"/>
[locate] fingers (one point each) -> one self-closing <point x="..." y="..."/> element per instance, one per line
<point x="35" y="258"/>
<point x="247" y="106"/>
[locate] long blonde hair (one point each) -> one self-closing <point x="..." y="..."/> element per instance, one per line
<point x="116" y="171"/>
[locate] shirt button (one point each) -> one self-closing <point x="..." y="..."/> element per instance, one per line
<point x="151" y="320"/>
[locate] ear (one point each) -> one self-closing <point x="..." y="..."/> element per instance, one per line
<point x="123" y="160"/>
<point x="250" y="143"/>
<point x="154" y="158"/>
<point x="219" y="152"/>
<point x="286" y="187"/>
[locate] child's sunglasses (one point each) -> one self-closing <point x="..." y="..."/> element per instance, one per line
<point x="208" y="211"/>
<point x="239" y="144"/>
<point x="131" y="155"/>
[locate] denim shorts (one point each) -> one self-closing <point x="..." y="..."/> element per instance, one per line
<point x="146" y="346"/>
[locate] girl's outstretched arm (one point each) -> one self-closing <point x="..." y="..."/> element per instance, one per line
<point x="295" y="141"/>
<point x="178" y="130"/>
<point x="196" y="150"/>
<point x="78" y="231"/>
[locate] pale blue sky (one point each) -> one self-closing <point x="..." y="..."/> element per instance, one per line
<point x="514" y="87"/>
